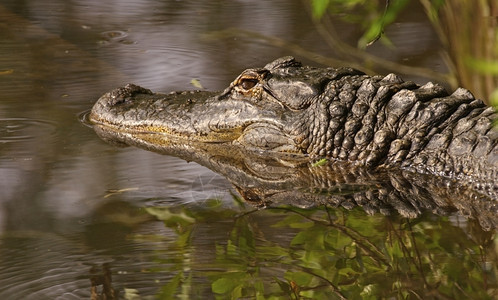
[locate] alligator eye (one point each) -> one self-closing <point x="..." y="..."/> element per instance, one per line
<point x="248" y="84"/>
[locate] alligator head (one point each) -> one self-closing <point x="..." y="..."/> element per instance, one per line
<point x="341" y="114"/>
<point x="264" y="109"/>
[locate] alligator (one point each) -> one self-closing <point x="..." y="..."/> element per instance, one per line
<point x="300" y="114"/>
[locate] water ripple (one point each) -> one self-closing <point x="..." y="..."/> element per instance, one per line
<point x="53" y="266"/>
<point x="84" y="118"/>
<point x="114" y="36"/>
<point x="13" y="130"/>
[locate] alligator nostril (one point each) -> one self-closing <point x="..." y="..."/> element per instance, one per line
<point x="116" y="99"/>
<point x="122" y="94"/>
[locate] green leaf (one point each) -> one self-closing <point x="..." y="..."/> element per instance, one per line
<point x="320" y="162"/>
<point x="196" y="83"/>
<point x="222" y="285"/>
<point x="494" y="98"/>
<point x="482" y="65"/>
<point x="228" y="283"/>
<point x="284" y="285"/>
<point x="347" y="271"/>
<point x="337" y="240"/>
<point x="375" y="28"/>
<point x="294" y="221"/>
<point x="231" y="248"/>
<point x="168" y="290"/>
<point x="164" y="214"/>
<point x="319" y="7"/>
<point x="369" y="292"/>
<point x="301" y="278"/>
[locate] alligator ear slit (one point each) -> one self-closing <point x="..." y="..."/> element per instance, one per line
<point x="225" y="92"/>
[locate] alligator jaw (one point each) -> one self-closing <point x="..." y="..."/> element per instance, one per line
<point x="133" y="109"/>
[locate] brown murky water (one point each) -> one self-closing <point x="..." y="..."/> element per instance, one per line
<point x="74" y="209"/>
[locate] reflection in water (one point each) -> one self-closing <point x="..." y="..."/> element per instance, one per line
<point x="333" y="253"/>
<point x="73" y="208"/>
<point x="236" y="251"/>
<point x="105" y="280"/>
<point x="402" y="241"/>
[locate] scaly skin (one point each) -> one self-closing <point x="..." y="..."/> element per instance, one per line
<point x="340" y="114"/>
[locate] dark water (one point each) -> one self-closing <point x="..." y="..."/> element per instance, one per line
<point x="74" y="209"/>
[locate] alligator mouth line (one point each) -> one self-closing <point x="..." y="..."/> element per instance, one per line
<point x="213" y="137"/>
